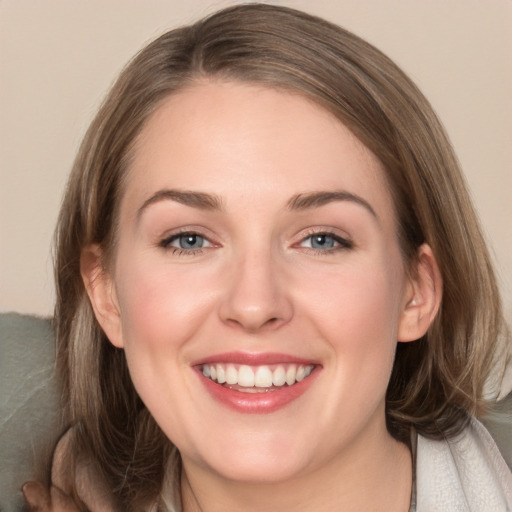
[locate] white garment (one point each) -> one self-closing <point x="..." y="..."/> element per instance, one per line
<point x="463" y="474"/>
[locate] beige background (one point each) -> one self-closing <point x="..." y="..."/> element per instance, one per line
<point x="59" y="57"/>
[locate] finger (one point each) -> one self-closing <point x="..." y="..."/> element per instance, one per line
<point x="37" y="496"/>
<point x="61" y="502"/>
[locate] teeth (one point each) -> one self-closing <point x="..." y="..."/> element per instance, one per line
<point x="290" y="375"/>
<point x="279" y="376"/>
<point x="263" y="377"/>
<point x="245" y="377"/>
<point x="231" y="374"/>
<point x="257" y="377"/>
<point x="221" y="374"/>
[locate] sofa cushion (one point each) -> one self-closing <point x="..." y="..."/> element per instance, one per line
<point x="29" y="404"/>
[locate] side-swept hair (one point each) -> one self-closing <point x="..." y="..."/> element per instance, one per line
<point x="436" y="381"/>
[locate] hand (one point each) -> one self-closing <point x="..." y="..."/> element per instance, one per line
<point x="41" y="499"/>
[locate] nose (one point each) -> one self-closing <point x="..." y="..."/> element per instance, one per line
<point x="256" y="295"/>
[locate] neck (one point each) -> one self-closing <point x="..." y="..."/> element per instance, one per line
<point x="376" y="476"/>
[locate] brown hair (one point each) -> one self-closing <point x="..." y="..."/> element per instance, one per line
<point x="436" y="381"/>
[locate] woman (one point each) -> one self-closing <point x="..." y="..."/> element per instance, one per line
<point x="273" y="292"/>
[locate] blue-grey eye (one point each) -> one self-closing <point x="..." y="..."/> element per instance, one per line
<point x="189" y="241"/>
<point x="322" y="241"/>
<point x="186" y="242"/>
<point x="319" y="241"/>
<point x="325" y="241"/>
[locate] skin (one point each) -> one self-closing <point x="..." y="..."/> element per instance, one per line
<point x="257" y="286"/>
<point x="40" y="499"/>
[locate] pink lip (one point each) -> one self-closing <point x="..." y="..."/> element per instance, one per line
<point x="253" y="359"/>
<point x="255" y="403"/>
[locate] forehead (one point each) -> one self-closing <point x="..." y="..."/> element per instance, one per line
<point x="232" y="138"/>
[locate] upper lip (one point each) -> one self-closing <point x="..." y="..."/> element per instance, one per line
<point x="253" y="359"/>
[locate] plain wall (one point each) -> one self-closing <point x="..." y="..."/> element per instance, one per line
<point x="58" y="58"/>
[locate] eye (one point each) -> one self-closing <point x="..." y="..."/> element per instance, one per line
<point x="320" y="241"/>
<point x="325" y="242"/>
<point x="188" y="242"/>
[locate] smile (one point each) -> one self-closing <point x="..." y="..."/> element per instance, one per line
<point x="256" y="383"/>
<point x="256" y="379"/>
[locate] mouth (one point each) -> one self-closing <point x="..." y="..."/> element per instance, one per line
<point x="256" y="383"/>
<point x="256" y="379"/>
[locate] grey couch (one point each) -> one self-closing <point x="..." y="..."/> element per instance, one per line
<point x="29" y="406"/>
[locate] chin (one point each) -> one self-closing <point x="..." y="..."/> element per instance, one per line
<point x="269" y="471"/>
<point x="261" y="462"/>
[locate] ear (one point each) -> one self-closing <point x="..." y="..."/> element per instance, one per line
<point x="422" y="296"/>
<point x="101" y="291"/>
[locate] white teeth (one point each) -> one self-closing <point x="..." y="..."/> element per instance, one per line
<point x="231" y="374"/>
<point x="257" y="377"/>
<point x="221" y="374"/>
<point x="245" y="376"/>
<point x="279" y="376"/>
<point x="290" y="375"/>
<point x="263" y="377"/>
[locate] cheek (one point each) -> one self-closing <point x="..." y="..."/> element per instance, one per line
<point x="359" y="301"/>
<point x="160" y="306"/>
<point x="358" y="313"/>
<point x="162" y="317"/>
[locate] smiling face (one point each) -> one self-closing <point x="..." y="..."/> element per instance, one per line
<point x="258" y="288"/>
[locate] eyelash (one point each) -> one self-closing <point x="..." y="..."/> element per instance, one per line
<point x="342" y="243"/>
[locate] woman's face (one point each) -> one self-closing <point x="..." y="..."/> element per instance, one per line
<point x="258" y="282"/>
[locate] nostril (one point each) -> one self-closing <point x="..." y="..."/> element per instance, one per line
<point x="270" y="323"/>
<point x="253" y="326"/>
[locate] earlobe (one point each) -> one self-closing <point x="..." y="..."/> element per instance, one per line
<point x="423" y="297"/>
<point x="101" y="291"/>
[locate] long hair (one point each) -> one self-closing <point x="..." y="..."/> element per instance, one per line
<point x="436" y="382"/>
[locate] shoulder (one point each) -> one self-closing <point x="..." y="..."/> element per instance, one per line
<point x="79" y="477"/>
<point x="465" y="473"/>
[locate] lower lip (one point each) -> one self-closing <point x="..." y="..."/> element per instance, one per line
<point x="257" y="403"/>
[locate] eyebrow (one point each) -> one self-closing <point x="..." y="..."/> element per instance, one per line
<point x="200" y="200"/>
<point x="204" y="201"/>
<point x="317" y="199"/>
